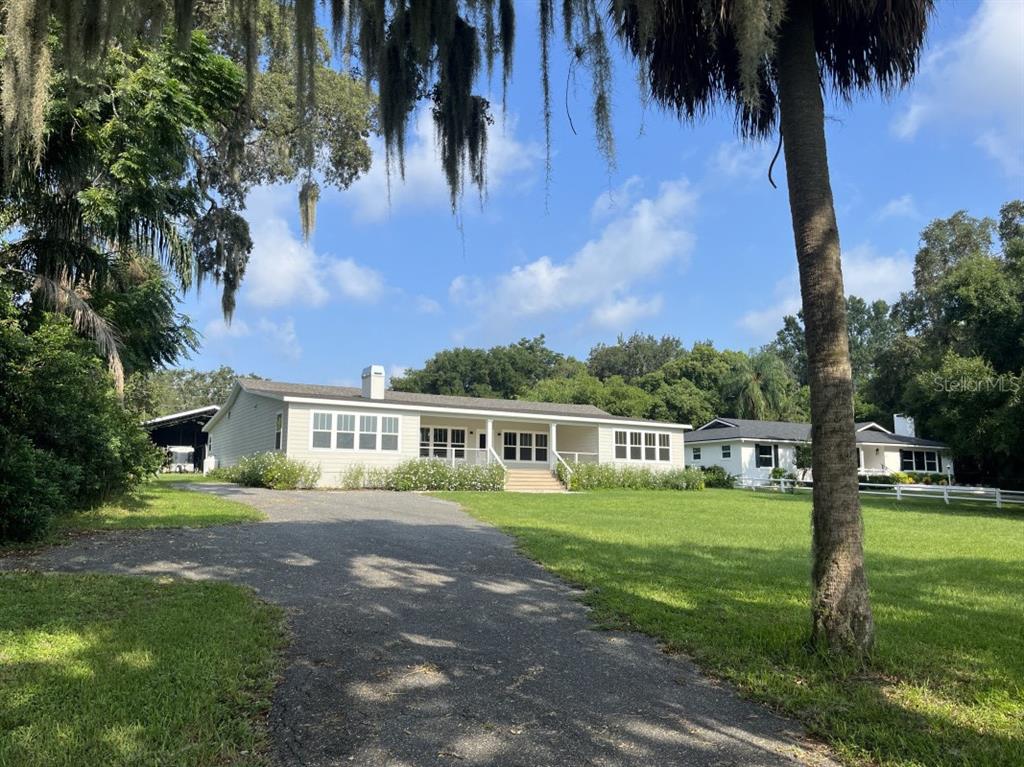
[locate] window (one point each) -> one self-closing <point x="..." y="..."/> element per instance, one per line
<point x="620" y="445"/>
<point x="509" y="449"/>
<point x="696" y="453"/>
<point x="541" y="453"/>
<point x="322" y="429"/>
<point x="919" y="460"/>
<point x="278" y="430"/>
<point x="664" y="453"/>
<point x="765" y="456"/>
<point x="650" y="446"/>
<point x="367" y="432"/>
<point x="459" y="443"/>
<point x="525" y="446"/>
<point x="440" y="442"/>
<point x="635" y="452"/>
<point x="726" y="451"/>
<point x="424" y="442"/>
<point x="345" y="438"/>
<point x="389" y="433"/>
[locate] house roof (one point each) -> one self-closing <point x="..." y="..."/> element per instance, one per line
<point x="724" y="429"/>
<point x="185" y="415"/>
<point x="281" y="390"/>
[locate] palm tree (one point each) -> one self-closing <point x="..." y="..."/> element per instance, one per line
<point x="767" y="59"/>
<point x="759" y="387"/>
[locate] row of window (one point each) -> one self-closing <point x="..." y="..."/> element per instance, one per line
<point x="920" y="460"/>
<point x="338" y="431"/>
<point x="642" y="446"/>
<point x="436" y="441"/>
<point x="726" y="452"/>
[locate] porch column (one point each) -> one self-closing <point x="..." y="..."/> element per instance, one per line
<point x="552" y="445"/>
<point x="490" y="440"/>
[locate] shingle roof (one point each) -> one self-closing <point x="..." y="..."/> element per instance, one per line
<point x="789" y="431"/>
<point x="354" y="394"/>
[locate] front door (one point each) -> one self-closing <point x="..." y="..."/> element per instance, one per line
<point x="482" y="440"/>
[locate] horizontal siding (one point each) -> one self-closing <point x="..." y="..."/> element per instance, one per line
<point x="333" y="463"/>
<point x="247" y="428"/>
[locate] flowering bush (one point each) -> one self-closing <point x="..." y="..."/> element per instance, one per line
<point x="716" y="476"/>
<point x="595" y="476"/>
<point x="273" y="470"/>
<point x="425" y="475"/>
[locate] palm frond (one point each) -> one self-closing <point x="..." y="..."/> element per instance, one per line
<point x="60" y="296"/>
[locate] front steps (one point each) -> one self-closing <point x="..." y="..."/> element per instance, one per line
<point x="532" y="481"/>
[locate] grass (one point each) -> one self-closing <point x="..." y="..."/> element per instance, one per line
<point x="102" y="670"/>
<point x="162" y="503"/>
<point x="723" y="576"/>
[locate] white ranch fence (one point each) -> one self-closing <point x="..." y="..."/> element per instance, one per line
<point x="946" y="493"/>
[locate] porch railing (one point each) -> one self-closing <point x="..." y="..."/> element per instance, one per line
<point x="574" y="456"/>
<point x="469" y="456"/>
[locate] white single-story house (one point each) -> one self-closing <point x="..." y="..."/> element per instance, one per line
<point x="337" y="427"/>
<point x="748" y="448"/>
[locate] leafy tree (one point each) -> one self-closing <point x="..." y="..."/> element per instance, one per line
<point x="613" y="395"/>
<point x="632" y="357"/>
<point x="502" y="371"/>
<point x="173" y="391"/>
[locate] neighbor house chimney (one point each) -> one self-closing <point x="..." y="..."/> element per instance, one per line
<point x="901" y="424"/>
<point x="373" y="382"/>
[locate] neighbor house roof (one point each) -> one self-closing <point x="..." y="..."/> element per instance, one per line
<point x="184" y="415"/>
<point x="354" y="395"/>
<point x="727" y="429"/>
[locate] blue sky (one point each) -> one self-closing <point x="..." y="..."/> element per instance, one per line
<point x="684" y="236"/>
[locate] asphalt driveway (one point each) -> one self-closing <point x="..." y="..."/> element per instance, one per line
<point x="421" y="638"/>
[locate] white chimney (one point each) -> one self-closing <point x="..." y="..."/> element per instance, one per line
<point x="373" y="382"/>
<point x="903" y="425"/>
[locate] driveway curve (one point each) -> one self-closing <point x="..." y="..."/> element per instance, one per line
<point x="420" y="638"/>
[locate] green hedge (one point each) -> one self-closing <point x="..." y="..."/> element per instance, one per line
<point x="424" y="475"/>
<point x="596" y="476"/>
<point x="272" y="470"/>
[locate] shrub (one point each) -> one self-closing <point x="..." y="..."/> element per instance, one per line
<point x="67" y="442"/>
<point x="716" y="476"/>
<point x="275" y="471"/>
<point x="594" y="476"/>
<point x="354" y="477"/>
<point x="901" y="478"/>
<point x="877" y="479"/>
<point x="427" y="475"/>
<point x="778" y="473"/>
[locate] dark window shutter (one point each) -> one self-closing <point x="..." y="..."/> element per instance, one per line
<point x="775" y="453"/>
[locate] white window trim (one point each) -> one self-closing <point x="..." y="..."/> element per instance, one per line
<point x="279" y="446"/>
<point x="336" y="419"/>
<point x="757" y="456"/>
<point x="696" y="453"/>
<point x="656" y="461"/>
<point x="724" y="456"/>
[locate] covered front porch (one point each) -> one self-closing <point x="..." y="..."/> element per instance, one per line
<point x="515" y="444"/>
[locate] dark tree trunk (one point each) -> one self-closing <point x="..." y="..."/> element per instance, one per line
<point x="840" y="607"/>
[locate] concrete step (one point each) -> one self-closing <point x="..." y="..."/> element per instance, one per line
<point x="532" y="481"/>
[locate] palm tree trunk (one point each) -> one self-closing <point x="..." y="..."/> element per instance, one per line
<point x="840" y="608"/>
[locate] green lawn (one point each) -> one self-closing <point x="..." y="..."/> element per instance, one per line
<point x="723" y="576"/>
<point x="102" y="670"/>
<point x="163" y="503"/>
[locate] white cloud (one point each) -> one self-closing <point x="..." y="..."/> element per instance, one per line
<point x="634" y="246"/>
<point x="283" y="269"/>
<point x="424" y="185"/>
<point x="286" y="340"/>
<point x="975" y="82"/>
<point x="621" y="314"/>
<point x="741" y="159"/>
<point x="426" y="305"/>
<point x="357" y="282"/>
<point x="866" y="274"/>
<point x="899" y="207"/>
<point x="219" y="328"/>
<point x="616" y="200"/>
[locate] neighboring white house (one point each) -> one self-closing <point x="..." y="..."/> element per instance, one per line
<point x="337" y="427"/>
<point x="747" y="448"/>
